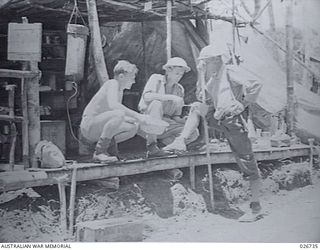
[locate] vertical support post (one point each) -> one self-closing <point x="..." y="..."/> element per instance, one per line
<point x="193" y="177"/>
<point x="257" y="7"/>
<point x="307" y="37"/>
<point x="25" y="134"/>
<point x="72" y="199"/>
<point x="96" y="47"/>
<point x="201" y="70"/>
<point x="289" y="70"/>
<point x="63" y="205"/>
<point x="33" y="107"/>
<point x="311" y="141"/>
<point x="233" y="31"/>
<point x="13" y="129"/>
<point x="169" y="32"/>
<point x="273" y="26"/>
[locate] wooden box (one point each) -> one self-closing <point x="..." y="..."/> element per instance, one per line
<point x="110" y="230"/>
<point x="24" y="41"/>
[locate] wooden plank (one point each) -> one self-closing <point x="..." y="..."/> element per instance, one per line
<point x="6" y="167"/>
<point x="131" y="6"/>
<point x="92" y="171"/>
<point x="18" y="73"/>
<point x="9" y="118"/>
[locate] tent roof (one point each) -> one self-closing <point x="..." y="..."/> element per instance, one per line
<point x="108" y="10"/>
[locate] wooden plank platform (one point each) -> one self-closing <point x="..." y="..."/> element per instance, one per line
<point x="18" y="73"/>
<point x="91" y="171"/>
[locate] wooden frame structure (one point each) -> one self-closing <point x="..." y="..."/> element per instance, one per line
<point x="25" y="77"/>
<point x="90" y="171"/>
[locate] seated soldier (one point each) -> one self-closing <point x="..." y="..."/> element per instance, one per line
<point x="228" y="90"/>
<point x="162" y="98"/>
<point x="106" y="120"/>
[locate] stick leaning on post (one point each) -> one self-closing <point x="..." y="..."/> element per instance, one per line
<point x="206" y="131"/>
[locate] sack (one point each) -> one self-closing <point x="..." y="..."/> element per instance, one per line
<point x="49" y="155"/>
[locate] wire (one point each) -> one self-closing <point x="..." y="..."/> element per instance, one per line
<point x="75" y="87"/>
<point x="76" y="12"/>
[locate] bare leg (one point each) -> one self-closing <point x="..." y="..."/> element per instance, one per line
<point x="188" y="133"/>
<point x="155" y="110"/>
<point x="126" y="131"/>
<point x="190" y="126"/>
<point x="93" y="128"/>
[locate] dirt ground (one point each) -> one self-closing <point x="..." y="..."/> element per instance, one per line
<point x="294" y="217"/>
<point x="171" y="211"/>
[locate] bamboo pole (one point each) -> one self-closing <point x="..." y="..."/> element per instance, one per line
<point x="257" y="7"/>
<point x="72" y="199"/>
<point x="33" y="104"/>
<point x="306" y="79"/>
<point x="25" y="134"/>
<point x="169" y="34"/>
<point x="96" y="47"/>
<point x="272" y="26"/>
<point x="63" y="202"/>
<point x="13" y="128"/>
<point x="206" y="135"/>
<point x="311" y="144"/>
<point x="289" y="69"/>
<point x="33" y="110"/>
<point x="233" y="32"/>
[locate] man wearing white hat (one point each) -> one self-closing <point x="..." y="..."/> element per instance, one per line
<point x="229" y="89"/>
<point x="162" y="98"/>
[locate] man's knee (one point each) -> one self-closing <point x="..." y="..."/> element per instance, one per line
<point x="134" y="127"/>
<point x="155" y="105"/>
<point x="115" y="121"/>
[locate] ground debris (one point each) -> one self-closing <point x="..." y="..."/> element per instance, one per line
<point x="293" y="175"/>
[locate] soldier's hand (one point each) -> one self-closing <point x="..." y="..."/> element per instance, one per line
<point x="177" y="99"/>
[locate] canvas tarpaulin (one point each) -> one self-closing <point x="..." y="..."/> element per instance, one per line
<point x="273" y="96"/>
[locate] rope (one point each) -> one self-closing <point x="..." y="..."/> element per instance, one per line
<point x="76" y="12"/>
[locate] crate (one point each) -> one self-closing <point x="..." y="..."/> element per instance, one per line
<point x="54" y="131"/>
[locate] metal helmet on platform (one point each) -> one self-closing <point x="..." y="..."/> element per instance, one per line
<point x="176" y="62"/>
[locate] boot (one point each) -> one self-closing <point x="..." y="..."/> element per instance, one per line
<point x="255" y="213"/>
<point x="154" y="151"/>
<point x="101" y="153"/>
<point x="255" y="207"/>
<point x="177" y="145"/>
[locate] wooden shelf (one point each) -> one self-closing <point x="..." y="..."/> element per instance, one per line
<point x="17" y="73"/>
